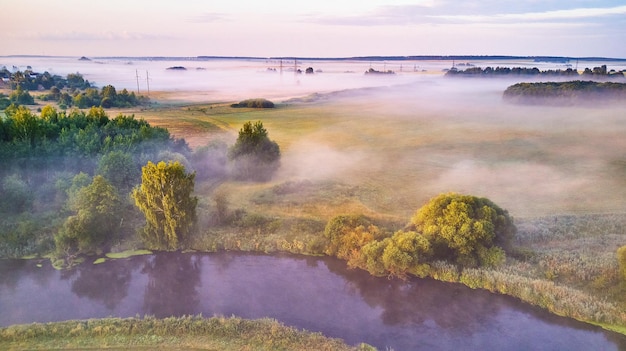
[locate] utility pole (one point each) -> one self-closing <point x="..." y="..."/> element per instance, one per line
<point x="148" y="82"/>
<point x="137" y="75"/>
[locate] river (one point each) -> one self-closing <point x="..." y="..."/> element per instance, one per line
<point x="317" y="294"/>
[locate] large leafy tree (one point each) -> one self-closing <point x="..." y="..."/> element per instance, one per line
<point x="254" y="155"/>
<point x="119" y="168"/>
<point x="468" y="229"/>
<point x="96" y="219"/>
<point x="165" y="198"/>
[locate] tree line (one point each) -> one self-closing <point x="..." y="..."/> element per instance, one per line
<point x="601" y="71"/>
<point x="560" y="93"/>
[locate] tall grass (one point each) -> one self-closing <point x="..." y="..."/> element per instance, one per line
<point x="191" y="332"/>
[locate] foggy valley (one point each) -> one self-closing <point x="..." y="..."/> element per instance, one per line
<point x="340" y="146"/>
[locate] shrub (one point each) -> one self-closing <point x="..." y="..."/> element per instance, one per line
<point x="254" y="103"/>
<point x="464" y="228"/>
<point x="340" y="226"/>
<point x="16" y="194"/>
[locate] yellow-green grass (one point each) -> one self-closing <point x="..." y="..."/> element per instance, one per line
<point x="184" y="333"/>
<point x="532" y="161"/>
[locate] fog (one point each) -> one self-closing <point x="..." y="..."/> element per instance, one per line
<point x="409" y="136"/>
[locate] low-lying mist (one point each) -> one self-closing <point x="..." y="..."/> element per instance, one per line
<point x="409" y="142"/>
<point x="404" y="138"/>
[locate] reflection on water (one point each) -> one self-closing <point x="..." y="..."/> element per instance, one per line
<point x="172" y="287"/>
<point x="318" y="294"/>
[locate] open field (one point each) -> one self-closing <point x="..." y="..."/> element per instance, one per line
<point x="397" y="147"/>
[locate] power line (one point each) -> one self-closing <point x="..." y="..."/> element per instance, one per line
<point x="148" y="82"/>
<point x="137" y="75"/>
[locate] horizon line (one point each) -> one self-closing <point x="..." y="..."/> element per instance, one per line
<point x="355" y="58"/>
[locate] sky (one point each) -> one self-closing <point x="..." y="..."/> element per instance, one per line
<point x="314" y="28"/>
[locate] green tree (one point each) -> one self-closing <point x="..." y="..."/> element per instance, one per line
<point x="255" y="156"/>
<point x="26" y="126"/>
<point x="95" y="222"/>
<point x="165" y="199"/>
<point x="464" y="228"/>
<point x="21" y="97"/>
<point x="119" y="168"/>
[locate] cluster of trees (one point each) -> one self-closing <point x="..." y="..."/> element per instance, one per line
<point x="80" y="165"/>
<point x="254" y="103"/>
<point x="106" y="97"/>
<point x="77" y="182"/>
<point x="572" y="92"/>
<point x="29" y="80"/>
<point x="71" y="91"/>
<point x="462" y="229"/>
<point x="75" y="133"/>
<point x="504" y="71"/>
<point x="372" y="71"/>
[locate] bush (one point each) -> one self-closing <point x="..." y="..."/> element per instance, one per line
<point x="340" y="226"/>
<point x="16" y="194"/>
<point x="465" y="228"/>
<point x="254" y="103"/>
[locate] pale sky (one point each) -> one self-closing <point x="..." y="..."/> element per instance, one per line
<point x="313" y="28"/>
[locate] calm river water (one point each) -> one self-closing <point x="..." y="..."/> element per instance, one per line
<point x="318" y="294"/>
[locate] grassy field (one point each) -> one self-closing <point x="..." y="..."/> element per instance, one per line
<point x="385" y="152"/>
<point x="401" y="146"/>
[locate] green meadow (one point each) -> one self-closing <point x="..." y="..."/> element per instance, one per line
<point x="385" y="152"/>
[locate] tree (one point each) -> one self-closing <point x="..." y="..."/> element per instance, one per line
<point x="165" y="199"/>
<point x="119" y="168"/>
<point x="26" y="126"/>
<point x="21" y="97"/>
<point x="95" y="222"/>
<point x="465" y="228"/>
<point x="255" y="156"/>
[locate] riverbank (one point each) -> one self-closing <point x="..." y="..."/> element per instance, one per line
<point x="173" y="334"/>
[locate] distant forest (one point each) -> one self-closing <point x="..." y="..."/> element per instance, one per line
<point x="601" y="71"/>
<point x="565" y="93"/>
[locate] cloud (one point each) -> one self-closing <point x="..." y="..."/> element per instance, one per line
<point x="570" y="14"/>
<point x="208" y="17"/>
<point x="87" y="36"/>
<point x="442" y="13"/>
